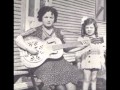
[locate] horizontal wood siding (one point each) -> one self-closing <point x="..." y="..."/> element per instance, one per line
<point x="17" y="30"/>
<point x="102" y="29"/>
<point x="70" y="13"/>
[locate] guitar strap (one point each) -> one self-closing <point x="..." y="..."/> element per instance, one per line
<point x="58" y="34"/>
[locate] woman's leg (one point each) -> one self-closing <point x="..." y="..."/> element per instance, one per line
<point x="94" y="79"/>
<point x="70" y="86"/>
<point x="52" y="87"/>
<point x="86" y="82"/>
<point x="60" y="87"/>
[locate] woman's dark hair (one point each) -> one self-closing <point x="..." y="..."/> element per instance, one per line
<point x="87" y="22"/>
<point x="45" y="9"/>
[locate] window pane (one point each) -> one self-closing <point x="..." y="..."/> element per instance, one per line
<point x="31" y="8"/>
<point x="100" y="10"/>
<point x="42" y="3"/>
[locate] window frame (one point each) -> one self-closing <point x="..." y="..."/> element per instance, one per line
<point x="104" y="12"/>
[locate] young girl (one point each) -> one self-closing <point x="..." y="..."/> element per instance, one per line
<point x="57" y="72"/>
<point x="92" y="60"/>
<point x="91" y="56"/>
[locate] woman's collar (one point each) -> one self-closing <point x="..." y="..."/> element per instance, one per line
<point x="43" y="27"/>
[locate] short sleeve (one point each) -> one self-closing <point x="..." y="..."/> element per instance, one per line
<point x="28" y="32"/>
<point x="84" y="40"/>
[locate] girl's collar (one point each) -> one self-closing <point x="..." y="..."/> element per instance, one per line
<point x="92" y="36"/>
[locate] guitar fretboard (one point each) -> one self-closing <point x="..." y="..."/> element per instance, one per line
<point x="67" y="45"/>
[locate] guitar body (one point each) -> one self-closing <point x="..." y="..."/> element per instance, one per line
<point x="45" y="51"/>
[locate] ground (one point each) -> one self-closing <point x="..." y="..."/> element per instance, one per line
<point x="101" y="85"/>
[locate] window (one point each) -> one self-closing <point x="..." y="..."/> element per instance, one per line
<point x="100" y="10"/>
<point x="31" y="8"/>
<point x="42" y="3"/>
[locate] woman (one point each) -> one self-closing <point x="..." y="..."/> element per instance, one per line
<point x="52" y="72"/>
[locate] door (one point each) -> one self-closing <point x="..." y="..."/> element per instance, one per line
<point x="32" y="7"/>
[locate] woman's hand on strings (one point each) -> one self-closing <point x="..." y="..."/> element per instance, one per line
<point x="32" y="51"/>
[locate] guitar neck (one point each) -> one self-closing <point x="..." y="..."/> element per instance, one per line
<point x="67" y="45"/>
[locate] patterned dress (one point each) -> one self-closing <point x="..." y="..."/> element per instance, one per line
<point x="54" y="72"/>
<point x="93" y="55"/>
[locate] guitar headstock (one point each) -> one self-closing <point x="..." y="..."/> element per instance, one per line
<point x="97" y="40"/>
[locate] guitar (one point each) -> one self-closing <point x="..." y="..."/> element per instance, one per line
<point x="51" y="48"/>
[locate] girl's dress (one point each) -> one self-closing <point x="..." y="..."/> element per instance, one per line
<point x="93" y="55"/>
<point x="54" y="72"/>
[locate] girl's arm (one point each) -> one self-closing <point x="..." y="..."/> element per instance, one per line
<point x="102" y="52"/>
<point x="103" y="62"/>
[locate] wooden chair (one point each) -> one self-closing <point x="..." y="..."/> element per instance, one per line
<point x="21" y="72"/>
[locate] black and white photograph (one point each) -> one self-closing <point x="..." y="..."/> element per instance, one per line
<point x="59" y="44"/>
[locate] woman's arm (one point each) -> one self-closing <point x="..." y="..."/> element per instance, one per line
<point x="21" y="43"/>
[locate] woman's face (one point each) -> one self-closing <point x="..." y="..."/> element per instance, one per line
<point x="90" y="29"/>
<point x="48" y="19"/>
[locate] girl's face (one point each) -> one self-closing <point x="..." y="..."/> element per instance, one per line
<point x="48" y="19"/>
<point x="90" y="29"/>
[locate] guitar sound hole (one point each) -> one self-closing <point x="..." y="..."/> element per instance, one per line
<point x="35" y="43"/>
<point x="41" y="52"/>
<point x="41" y="47"/>
<point x="37" y="57"/>
<point x="32" y="58"/>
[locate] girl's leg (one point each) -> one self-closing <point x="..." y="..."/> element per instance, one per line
<point x="70" y="86"/>
<point x="86" y="82"/>
<point x="94" y="79"/>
